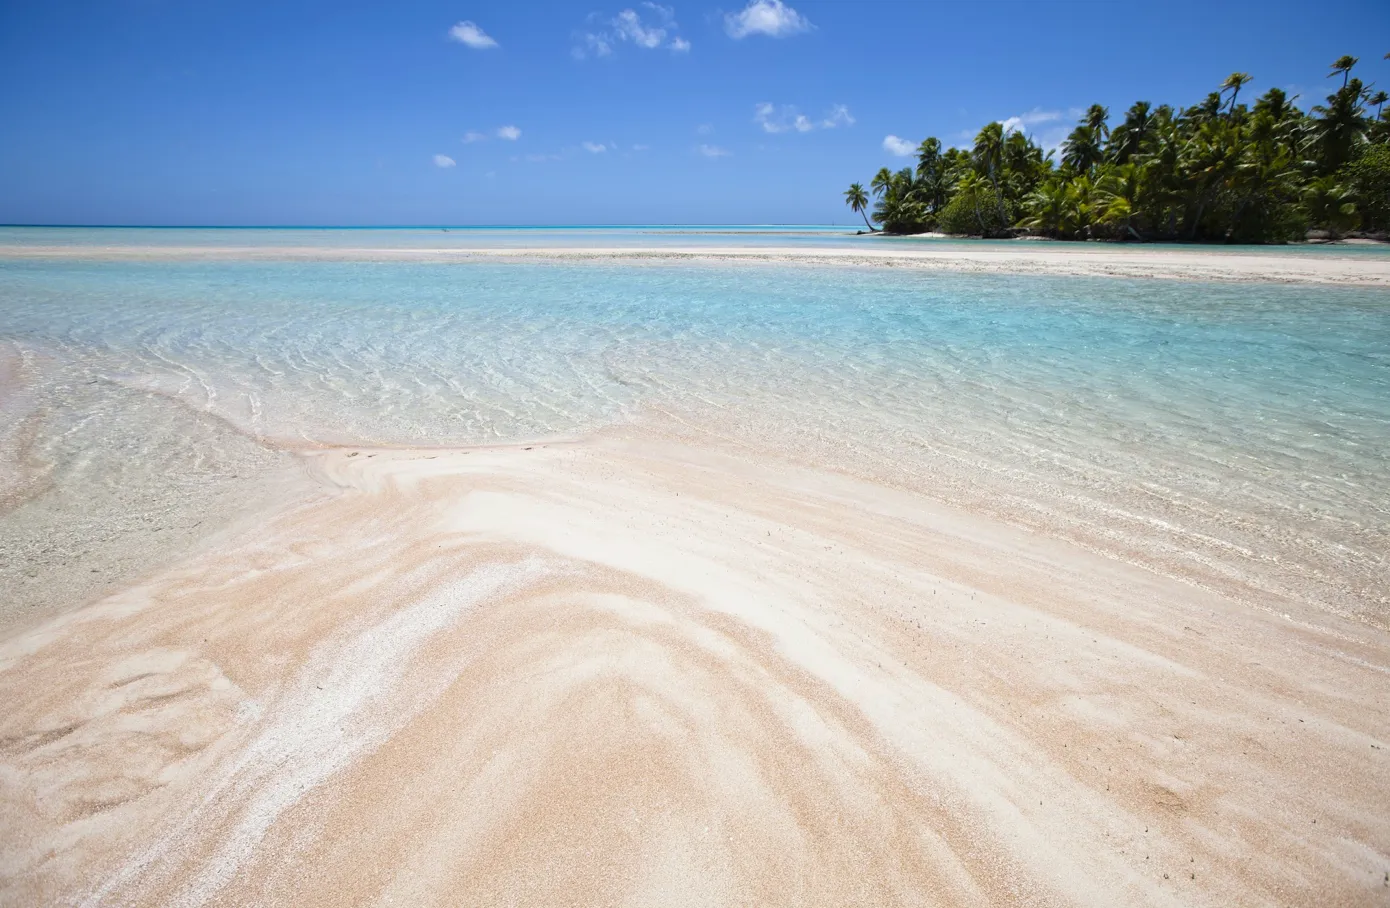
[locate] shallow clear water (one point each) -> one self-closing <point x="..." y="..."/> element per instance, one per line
<point x="1232" y="435"/>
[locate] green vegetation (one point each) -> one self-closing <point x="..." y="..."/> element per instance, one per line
<point x="1219" y="171"/>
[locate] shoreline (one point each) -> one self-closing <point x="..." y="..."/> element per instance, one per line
<point x="647" y="662"/>
<point x="1089" y="260"/>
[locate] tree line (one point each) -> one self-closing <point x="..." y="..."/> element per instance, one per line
<point x="1219" y="171"/>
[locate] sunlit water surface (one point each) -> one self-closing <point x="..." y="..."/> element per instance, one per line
<point x="1232" y="435"/>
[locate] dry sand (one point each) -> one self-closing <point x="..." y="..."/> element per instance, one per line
<point x="629" y="671"/>
<point x="1004" y="258"/>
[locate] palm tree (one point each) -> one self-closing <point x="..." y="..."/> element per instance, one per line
<point x="1129" y="138"/>
<point x="1329" y="203"/>
<point x="858" y="202"/>
<point x="928" y="155"/>
<point x="1095" y="118"/>
<point x="1378" y="99"/>
<point x="1081" y="151"/>
<point x="1234" y="82"/>
<point x="1340" y="125"/>
<point x="988" y="152"/>
<point x="881" y="181"/>
<point x="1343" y="65"/>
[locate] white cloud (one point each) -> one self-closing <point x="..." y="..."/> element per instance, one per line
<point x="711" y="151"/>
<point x="470" y="34"/>
<point x="630" y="28"/>
<point x="594" y="147"/>
<point x="900" y="147"/>
<point x="647" y="30"/>
<point x="774" y="119"/>
<point x="640" y="147"/>
<point x="1031" y="118"/>
<point x="839" y="116"/>
<point x="705" y="129"/>
<point x="443" y="160"/>
<point x="598" y="45"/>
<point x="510" y="133"/>
<point x="765" y="17"/>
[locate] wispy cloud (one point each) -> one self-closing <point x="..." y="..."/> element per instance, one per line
<point x="443" y="160"/>
<point x="470" y="34"/>
<point x="641" y="147"/>
<point x="765" y="17"/>
<point x="900" y="147"/>
<point x="593" y="147"/>
<point x="705" y="129"/>
<point x="711" y="151"/>
<point x="1031" y="118"/>
<point x="509" y="133"/>
<point x="653" y="28"/>
<point x="774" y="119"/>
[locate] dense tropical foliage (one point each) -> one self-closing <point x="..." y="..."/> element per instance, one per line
<point x="1219" y="171"/>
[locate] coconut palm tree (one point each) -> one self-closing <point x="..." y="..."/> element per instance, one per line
<point x="1339" y="126"/>
<point x="881" y="181"/>
<point x="1129" y="138"/>
<point x="1378" y="99"/>
<point x="1095" y="118"/>
<point x="1082" y="149"/>
<point x="858" y="202"/>
<point x="1343" y="65"/>
<point x="1234" y="82"/>
<point x="1329" y="202"/>
<point x="988" y="155"/>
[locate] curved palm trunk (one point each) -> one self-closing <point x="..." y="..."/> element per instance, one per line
<point x="865" y="216"/>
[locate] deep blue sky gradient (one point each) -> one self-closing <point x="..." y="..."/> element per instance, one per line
<point x="212" y="112"/>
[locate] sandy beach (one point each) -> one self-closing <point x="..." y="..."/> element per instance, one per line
<point x="1073" y="259"/>
<point x="630" y="670"/>
<point x="939" y="593"/>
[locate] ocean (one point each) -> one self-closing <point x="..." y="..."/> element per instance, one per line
<point x="1231" y="435"/>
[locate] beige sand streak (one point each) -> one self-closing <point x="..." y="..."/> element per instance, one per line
<point x="627" y="671"/>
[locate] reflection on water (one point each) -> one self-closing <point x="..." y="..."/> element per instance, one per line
<point x="1232" y="435"/>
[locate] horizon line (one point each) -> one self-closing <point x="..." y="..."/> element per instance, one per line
<point x="397" y="226"/>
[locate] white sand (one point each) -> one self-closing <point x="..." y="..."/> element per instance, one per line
<point x="628" y="671"/>
<point x="1079" y="259"/>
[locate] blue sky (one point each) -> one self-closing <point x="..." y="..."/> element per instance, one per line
<point x="209" y="112"/>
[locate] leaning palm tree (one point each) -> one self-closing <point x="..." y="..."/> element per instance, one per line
<point x="1378" y="99"/>
<point x="1234" y="82"/>
<point x="858" y="202"/>
<point x="1343" y="65"/>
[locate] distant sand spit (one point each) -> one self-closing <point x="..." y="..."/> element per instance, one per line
<point x="1088" y="260"/>
<point x="631" y="671"/>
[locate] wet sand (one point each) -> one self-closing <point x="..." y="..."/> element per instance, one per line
<point x="1080" y="259"/>
<point x="630" y="670"/>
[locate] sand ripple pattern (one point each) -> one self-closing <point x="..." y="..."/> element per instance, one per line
<point x="634" y="672"/>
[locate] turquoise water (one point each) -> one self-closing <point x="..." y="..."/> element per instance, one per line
<point x="444" y="237"/>
<point x="1231" y="435"/>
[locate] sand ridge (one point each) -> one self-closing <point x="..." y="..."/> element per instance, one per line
<point x="1072" y="259"/>
<point x="632" y="671"/>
